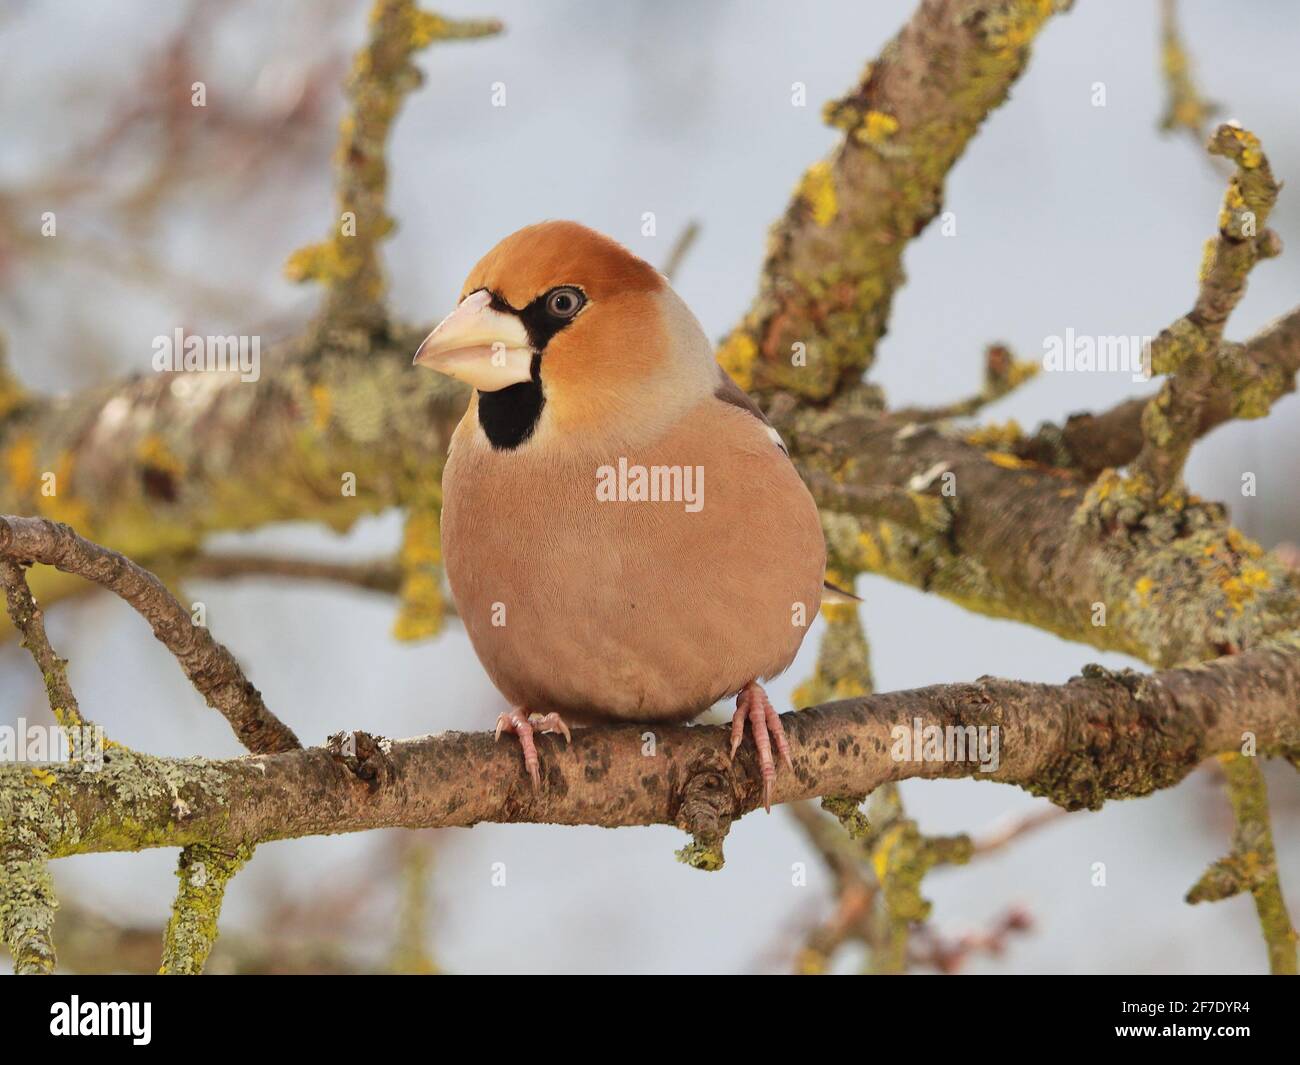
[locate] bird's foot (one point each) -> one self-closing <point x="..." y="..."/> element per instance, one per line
<point x="523" y="724"/>
<point x="765" y="723"/>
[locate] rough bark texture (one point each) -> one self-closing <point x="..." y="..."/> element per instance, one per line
<point x="1018" y="543"/>
<point x="1100" y="736"/>
<point x="348" y="261"/>
<point x="834" y="260"/>
<point x="1189" y="350"/>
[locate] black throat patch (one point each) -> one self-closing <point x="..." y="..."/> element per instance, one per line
<point x="509" y="415"/>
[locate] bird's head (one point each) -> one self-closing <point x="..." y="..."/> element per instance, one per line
<point x="564" y="333"/>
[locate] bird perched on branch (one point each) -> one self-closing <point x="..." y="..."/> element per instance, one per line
<point x="624" y="534"/>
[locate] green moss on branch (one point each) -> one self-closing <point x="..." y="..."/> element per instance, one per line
<point x="382" y="75"/>
<point x="835" y="258"/>
<point x="27" y="906"/>
<point x="204" y="872"/>
<point x="1252" y="864"/>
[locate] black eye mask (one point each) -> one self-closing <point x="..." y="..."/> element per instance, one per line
<point x="509" y="416"/>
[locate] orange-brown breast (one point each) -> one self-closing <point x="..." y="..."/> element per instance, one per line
<point x="632" y="610"/>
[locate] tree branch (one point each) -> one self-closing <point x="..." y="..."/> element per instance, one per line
<point x="835" y="258"/>
<point x="155" y="465"/>
<point x="1003" y="374"/>
<point x="210" y="667"/>
<point x="382" y="75"/>
<point x="1019" y="544"/>
<point x="151" y="468"/>
<point x="1251" y="379"/>
<point x="379" y="575"/>
<point x="29" y="620"/>
<point x="204" y="872"/>
<point x="27" y="907"/>
<point x="681" y="249"/>
<point x="1187" y="350"/>
<point x="1252" y="865"/>
<point x="1100" y="736"/>
<point x="1186" y="109"/>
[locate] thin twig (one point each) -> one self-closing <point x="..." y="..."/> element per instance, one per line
<point x="382" y="75"/>
<point x="29" y="620"/>
<point x="1000" y="836"/>
<point x="1252" y="865"/>
<point x="1003" y="374"/>
<point x="211" y="668"/>
<point x="1188" y="350"/>
<point x="380" y="575"/>
<point x="1187" y="109"/>
<point x="949" y="955"/>
<point x="680" y="249"/>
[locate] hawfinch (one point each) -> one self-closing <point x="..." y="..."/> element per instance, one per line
<point x="624" y="534"/>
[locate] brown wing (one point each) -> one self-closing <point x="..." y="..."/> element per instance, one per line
<point x="730" y="392"/>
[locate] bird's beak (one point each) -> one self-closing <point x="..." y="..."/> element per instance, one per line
<point x="483" y="347"/>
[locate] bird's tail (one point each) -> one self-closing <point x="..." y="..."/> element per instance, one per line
<point x="832" y="594"/>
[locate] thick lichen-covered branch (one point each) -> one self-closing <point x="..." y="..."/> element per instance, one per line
<point x="1098" y="737"/>
<point x="154" y="465"/>
<point x="834" y="260"/>
<point x="1252" y="865"/>
<point x="27" y="907"/>
<point x="27" y="898"/>
<point x="1167" y="588"/>
<point x="211" y="668"/>
<point x="382" y="75"/>
<point x="1189" y="350"/>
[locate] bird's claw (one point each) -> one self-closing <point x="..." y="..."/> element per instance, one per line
<point x="752" y="704"/>
<point x="521" y="723"/>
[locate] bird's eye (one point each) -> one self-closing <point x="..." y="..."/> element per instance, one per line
<point x="564" y="302"/>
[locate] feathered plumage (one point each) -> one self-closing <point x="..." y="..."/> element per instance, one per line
<point x="624" y="534"/>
